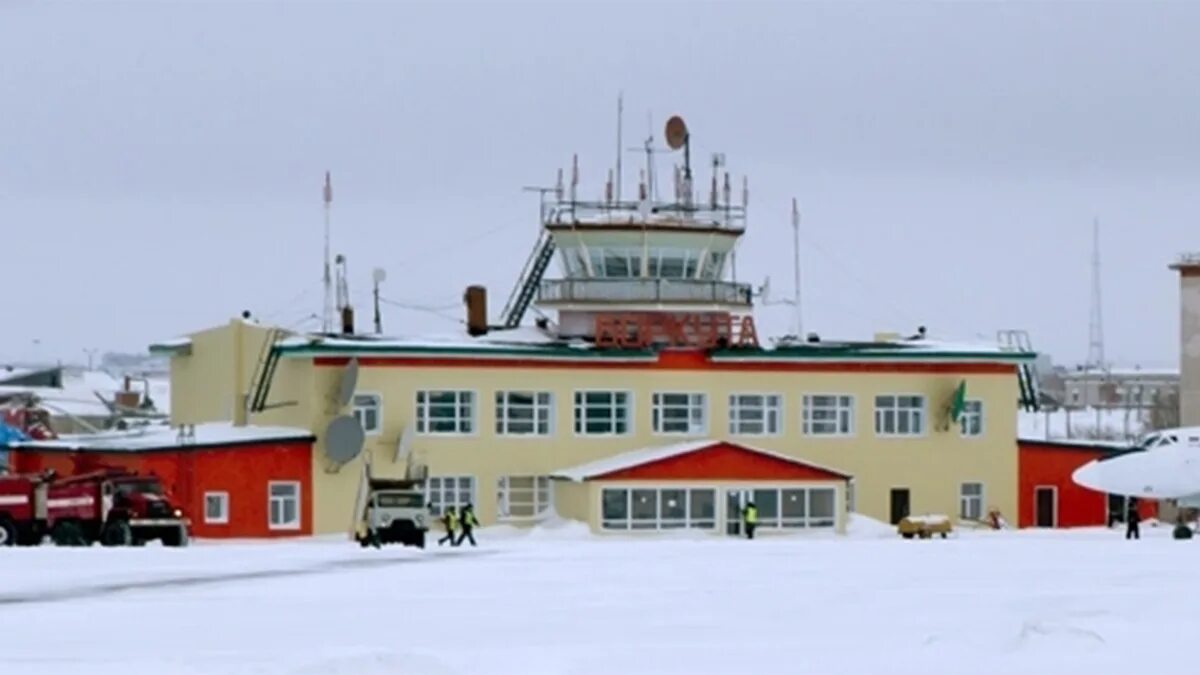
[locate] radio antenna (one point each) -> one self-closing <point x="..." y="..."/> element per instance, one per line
<point x="327" y="311"/>
<point x="620" y="114"/>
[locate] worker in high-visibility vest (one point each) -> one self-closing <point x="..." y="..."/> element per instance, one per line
<point x="468" y="522"/>
<point x="750" y="519"/>
<point x="450" y="522"/>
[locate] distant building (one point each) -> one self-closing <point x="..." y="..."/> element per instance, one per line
<point x="1188" y="267"/>
<point x="1115" y="388"/>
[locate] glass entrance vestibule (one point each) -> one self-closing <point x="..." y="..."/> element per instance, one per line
<point x="698" y="507"/>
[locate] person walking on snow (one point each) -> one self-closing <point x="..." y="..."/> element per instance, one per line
<point x="750" y="519"/>
<point x="450" y="522"/>
<point x="1131" y="520"/>
<point x="468" y="522"/>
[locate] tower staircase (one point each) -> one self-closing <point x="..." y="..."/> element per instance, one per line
<point x="1027" y="380"/>
<point x="527" y="284"/>
<point x="264" y="372"/>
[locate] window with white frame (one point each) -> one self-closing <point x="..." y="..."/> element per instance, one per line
<point x="216" y="508"/>
<point x="522" y="497"/>
<point x="792" y="508"/>
<point x="970" y="501"/>
<point x="445" y="412"/>
<point x="523" y="413"/>
<point x="366" y="411"/>
<point x="601" y="412"/>
<point x="970" y="422"/>
<point x="283" y="505"/>
<point x="658" y="508"/>
<point x="899" y="415"/>
<point x="679" y="413"/>
<point x="828" y="415"/>
<point x="445" y="491"/>
<point x="754" y="414"/>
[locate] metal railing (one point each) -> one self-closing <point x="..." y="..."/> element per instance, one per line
<point x="644" y="290"/>
<point x="706" y="216"/>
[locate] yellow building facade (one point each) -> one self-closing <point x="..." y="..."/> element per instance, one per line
<point x="495" y="417"/>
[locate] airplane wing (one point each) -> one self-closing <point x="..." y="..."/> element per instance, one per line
<point x="1171" y="472"/>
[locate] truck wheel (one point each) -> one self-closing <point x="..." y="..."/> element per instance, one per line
<point x="175" y="538"/>
<point x="420" y="540"/>
<point x="117" y="533"/>
<point x="8" y="532"/>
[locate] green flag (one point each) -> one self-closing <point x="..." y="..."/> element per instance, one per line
<point x="959" y="402"/>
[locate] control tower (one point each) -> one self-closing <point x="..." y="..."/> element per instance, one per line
<point x="666" y="260"/>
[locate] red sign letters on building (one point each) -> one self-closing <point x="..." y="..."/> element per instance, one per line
<point x="697" y="330"/>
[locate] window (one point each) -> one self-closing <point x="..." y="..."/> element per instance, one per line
<point x="443" y="491"/>
<point x="522" y="497"/>
<point x="680" y="413"/>
<point x="658" y="509"/>
<point x="216" y="508"/>
<point x="523" y="413"/>
<point x="899" y="415"/>
<point x="283" y="505"/>
<point x="793" y="508"/>
<point x="970" y="501"/>
<point x="601" y="412"/>
<point x="445" y="412"/>
<point x="754" y="414"/>
<point x="828" y="415"/>
<point x="971" y="421"/>
<point x="616" y="263"/>
<point x="366" y="411"/>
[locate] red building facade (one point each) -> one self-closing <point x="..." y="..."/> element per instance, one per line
<point x="240" y="487"/>
<point x="1049" y="498"/>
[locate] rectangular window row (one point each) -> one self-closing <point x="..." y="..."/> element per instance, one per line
<point x="283" y="506"/>
<point x="610" y="413"/>
<point x="696" y="508"/>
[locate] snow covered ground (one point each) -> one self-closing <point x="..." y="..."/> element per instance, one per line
<point x="560" y="601"/>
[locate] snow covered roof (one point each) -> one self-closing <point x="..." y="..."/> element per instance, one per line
<point x="171" y="346"/>
<point x="1076" y="444"/>
<point x="533" y="342"/>
<point x="634" y="458"/>
<point x="163" y="437"/>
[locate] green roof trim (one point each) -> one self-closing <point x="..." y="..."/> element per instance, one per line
<point x="857" y="352"/>
<point x="178" y="348"/>
<point x="533" y="351"/>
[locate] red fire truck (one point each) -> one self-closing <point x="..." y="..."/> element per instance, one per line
<point x="112" y="506"/>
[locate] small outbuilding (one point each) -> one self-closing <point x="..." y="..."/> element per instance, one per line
<point x="702" y="485"/>
<point x="231" y="481"/>
<point x="1049" y="498"/>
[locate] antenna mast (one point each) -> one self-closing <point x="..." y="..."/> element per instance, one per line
<point x="1096" y="321"/>
<point x="796" y="266"/>
<point x="620" y="114"/>
<point x="327" y="310"/>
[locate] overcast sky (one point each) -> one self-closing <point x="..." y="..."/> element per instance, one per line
<point x="161" y="164"/>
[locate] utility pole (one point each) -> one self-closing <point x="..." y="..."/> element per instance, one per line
<point x="1095" y="357"/>
<point x="796" y="268"/>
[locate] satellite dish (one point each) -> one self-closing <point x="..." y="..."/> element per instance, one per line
<point x="404" y="445"/>
<point x="344" y="438"/>
<point x="379" y="275"/>
<point x="348" y="383"/>
<point x="676" y="133"/>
